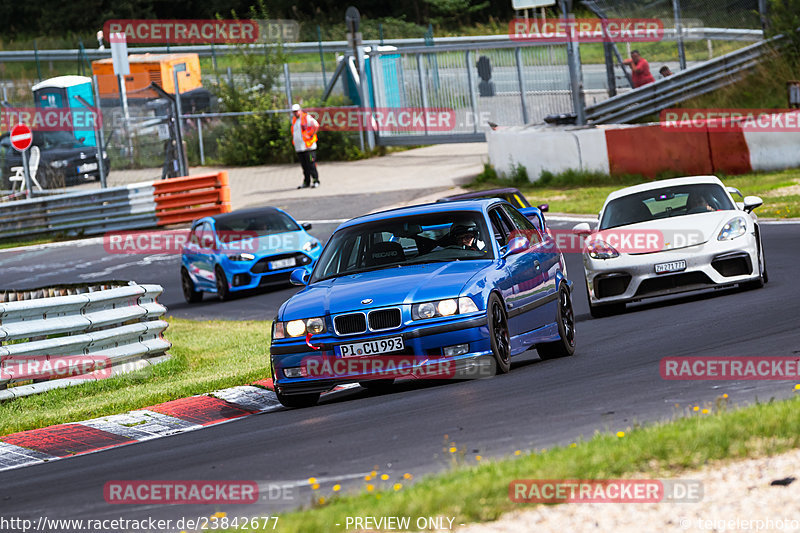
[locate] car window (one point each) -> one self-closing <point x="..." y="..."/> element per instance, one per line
<point x="523" y="225"/>
<point x="396" y="242"/>
<point x="500" y="227"/>
<point x="665" y="202"/>
<point x="262" y="223"/>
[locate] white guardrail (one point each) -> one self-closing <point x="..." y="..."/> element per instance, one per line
<point x="119" y="328"/>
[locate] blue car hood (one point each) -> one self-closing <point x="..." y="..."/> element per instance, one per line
<point x="389" y="286"/>
<point x="275" y="243"/>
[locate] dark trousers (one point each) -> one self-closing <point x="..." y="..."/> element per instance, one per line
<point x="308" y="162"/>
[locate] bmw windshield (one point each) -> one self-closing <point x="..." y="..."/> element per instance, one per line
<point x="396" y="242"/>
<point x="667" y="202"/>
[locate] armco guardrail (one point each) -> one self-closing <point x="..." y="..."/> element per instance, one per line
<point x="477" y="42"/>
<point x="139" y="205"/>
<point x="689" y="83"/>
<point x="120" y="328"/>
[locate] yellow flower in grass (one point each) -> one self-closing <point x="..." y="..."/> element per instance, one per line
<point x="696" y="408"/>
<point x="336" y="487"/>
<point x="385" y="477"/>
<point x="312" y="480"/>
<point x="705" y="411"/>
<point x="370" y="487"/>
<point x="397" y="486"/>
<point x="315" y="486"/>
<point x="407" y="476"/>
<point x="620" y="434"/>
<point x="453" y="449"/>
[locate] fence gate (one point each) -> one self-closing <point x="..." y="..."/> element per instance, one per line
<point x="477" y="87"/>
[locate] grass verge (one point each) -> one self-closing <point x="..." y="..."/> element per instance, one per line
<point x="585" y="192"/>
<point x="480" y="492"/>
<point x="205" y="356"/>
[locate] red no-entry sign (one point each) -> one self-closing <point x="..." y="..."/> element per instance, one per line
<point x="21" y="137"/>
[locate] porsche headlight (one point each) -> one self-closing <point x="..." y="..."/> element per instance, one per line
<point x="59" y="163"/>
<point x="446" y="307"/>
<point x="298" y="328"/>
<point x="736" y="227"/>
<point x="599" y="249"/>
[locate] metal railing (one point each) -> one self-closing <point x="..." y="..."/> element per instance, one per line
<point x="120" y="328"/>
<point x="80" y="213"/>
<point x="689" y="83"/>
<point x="442" y="43"/>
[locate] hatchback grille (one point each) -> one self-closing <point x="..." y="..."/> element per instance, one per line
<point x="384" y="319"/>
<point x="350" y="324"/>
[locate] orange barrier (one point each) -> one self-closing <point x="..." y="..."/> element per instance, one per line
<point x="729" y="152"/>
<point x="191" y="197"/>
<point x="650" y="150"/>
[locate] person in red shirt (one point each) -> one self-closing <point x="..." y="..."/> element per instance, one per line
<point x="640" y="68"/>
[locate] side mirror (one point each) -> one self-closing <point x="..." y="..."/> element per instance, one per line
<point x="582" y="229"/>
<point x="306" y="225"/>
<point x="517" y="245"/>
<point x="299" y="276"/>
<point x="544" y="208"/>
<point x="751" y="202"/>
<point x="734" y="190"/>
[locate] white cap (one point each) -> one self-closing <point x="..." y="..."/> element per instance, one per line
<point x="296" y="107"/>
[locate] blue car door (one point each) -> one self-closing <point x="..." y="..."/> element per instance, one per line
<point x="199" y="255"/>
<point x="538" y="290"/>
<point x="519" y="269"/>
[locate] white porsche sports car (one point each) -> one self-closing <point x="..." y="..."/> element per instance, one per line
<point x="671" y="236"/>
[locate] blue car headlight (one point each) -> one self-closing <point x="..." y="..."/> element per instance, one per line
<point x="736" y="227"/>
<point x="440" y="308"/>
<point x="310" y="245"/>
<point x="298" y="328"/>
<point x="244" y="256"/>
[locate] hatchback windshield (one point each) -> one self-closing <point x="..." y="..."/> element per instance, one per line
<point x="666" y="202"/>
<point x="395" y="242"/>
<point x="262" y="223"/>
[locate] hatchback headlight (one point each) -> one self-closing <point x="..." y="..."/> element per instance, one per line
<point x="59" y="163"/>
<point x="446" y="307"/>
<point x="244" y="256"/>
<point x="310" y="245"/>
<point x="736" y="227"/>
<point x="298" y="328"/>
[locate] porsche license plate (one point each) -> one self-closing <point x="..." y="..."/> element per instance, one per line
<point x="672" y="266"/>
<point x="376" y="347"/>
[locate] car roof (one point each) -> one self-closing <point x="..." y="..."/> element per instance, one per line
<point x="424" y="209"/>
<point x="660" y="184"/>
<point x="244" y="213"/>
<point x="480" y="194"/>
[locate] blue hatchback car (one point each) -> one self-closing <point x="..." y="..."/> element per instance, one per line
<point x="244" y="249"/>
<point x="447" y="285"/>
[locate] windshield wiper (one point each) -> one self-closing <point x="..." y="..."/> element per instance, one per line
<point x="360" y="271"/>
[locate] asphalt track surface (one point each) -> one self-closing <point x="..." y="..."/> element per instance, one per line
<point x="612" y="383"/>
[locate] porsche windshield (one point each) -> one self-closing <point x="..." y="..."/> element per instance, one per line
<point x="666" y="202"/>
<point x="394" y="242"/>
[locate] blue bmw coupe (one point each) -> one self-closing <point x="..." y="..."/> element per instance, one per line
<point x="244" y="249"/>
<point x="451" y="285"/>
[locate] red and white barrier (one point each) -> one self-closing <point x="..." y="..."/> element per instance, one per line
<point x="647" y="149"/>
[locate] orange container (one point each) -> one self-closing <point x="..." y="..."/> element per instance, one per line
<point x="147" y="68"/>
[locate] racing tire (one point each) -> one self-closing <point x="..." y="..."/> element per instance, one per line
<point x="762" y="269"/>
<point x="221" y="281"/>
<point x="191" y="295"/>
<point x="499" y="337"/>
<point x="297" y="401"/>
<point x="565" y="318"/>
